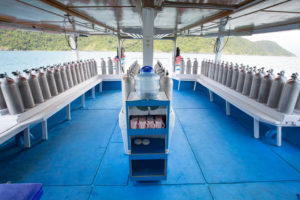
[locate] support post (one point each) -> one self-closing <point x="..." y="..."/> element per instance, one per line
<point x="44" y="130"/>
<point x="178" y="85"/>
<point x="120" y="54"/>
<point x="148" y="31"/>
<point x="69" y="112"/>
<point x="279" y="136"/>
<point x="256" y="128"/>
<point x="211" y="96"/>
<point x="83" y="100"/>
<point x="195" y="85"/>
<point x="220" y="38"/>
<point x="227" y="108"/>
<point x="93" y="92"/>
<point x="100" y="86"/>
<point x="27" y="143"/>
<point x="174" y="53"/>
<point x="73" y="43"/>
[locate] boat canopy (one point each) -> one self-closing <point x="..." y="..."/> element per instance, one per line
<point x="172" y="17"/>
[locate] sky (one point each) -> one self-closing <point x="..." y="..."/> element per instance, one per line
<point x="289" y="40"/>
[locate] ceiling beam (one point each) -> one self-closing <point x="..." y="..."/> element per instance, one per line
<point x="172" y="4"/>
<point x="64" y="8"/>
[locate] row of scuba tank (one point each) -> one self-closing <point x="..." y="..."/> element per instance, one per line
<point x="276" y="92"/>
<point x="23" y="91"/>
<point x="187" y="68"/>
<point x="110" y="67"/>
<point x="165" y="80"/>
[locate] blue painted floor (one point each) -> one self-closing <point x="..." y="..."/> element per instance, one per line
<point x="212" y="156"/>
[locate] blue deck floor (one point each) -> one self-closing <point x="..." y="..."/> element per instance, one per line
<point x="212" y="156"/>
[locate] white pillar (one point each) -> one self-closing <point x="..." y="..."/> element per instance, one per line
<point x="174" y="53"/>
<point x="279" y="135"/>
<point x="73" y="43"/>
<point x="219" y="41"/>
<point x="119" y="53"/>
<point x="148" y="31"/>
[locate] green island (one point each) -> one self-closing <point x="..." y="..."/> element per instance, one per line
<point x="11" y="40"/>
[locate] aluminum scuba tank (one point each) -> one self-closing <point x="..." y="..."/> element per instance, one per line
<point x="58" y="80"/>
<point x="74" y="75"/>
<point x="78" y="75"/>
<point x="276" y="90"/>
<point x="167" y="85"/>
<point x="81" y="71"/>
<point x="220" y="73"/>
<point x="202" y="66"/>
<point x="195" y="66"/>
<point x="182" y="66"/>
<point x="213" y="68"/>
<point x="12" y="96"/>
<point x="2" y="100"/>
<point x="25" y="90"/>
<point x="265" y="86"/>
<point x="289" y="96"/>
<point x="216" y="71"/>
<point x="128" y="84"/>
<point x="64" y="78"/>
<point x="88" y="70"/>
<point x="117" y="68"/>
<point x="235" y="75"/>
<point x="297" y="107"/>
<point x="255" y="85"/>
<point x="69" y="76"/>
<point x="241" y="79"/>
<point x="51" y="83"/>
<point x="95" y="67"/>
<point x="229" y="75"/>
<point x="103" y="66"/>
<point x="224" y="74"/>
<point x="188" y="66"/>
<point x="85" y="73"/>
<point x="44" y="85"/>
<point x="248" y="82"/>
<point x="35" y="89"/>
<point x="110" y="66"/>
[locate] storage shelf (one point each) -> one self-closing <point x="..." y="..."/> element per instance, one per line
<point x="156" y="146"/>
<point x="148" y="168"/>
<point x="150" y="131"/>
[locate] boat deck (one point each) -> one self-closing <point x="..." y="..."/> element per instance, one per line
<point x="212" y="156"/>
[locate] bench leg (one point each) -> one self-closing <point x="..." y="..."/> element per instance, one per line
<point x="227" y="108"/>
<point x="44" y="130"/>
<point x="279" y="135"/>
<point x="256" y="128"/>
<point x="178" y="85"/>
<point x="27" y="143"/>
<point x="83" y="100"/>
<point x="93" y="92"/>
<point x="100" y="87"/>
<point x="211" y="96"/>
<point x="195" y="85"/>
<point x="69" y="112"/>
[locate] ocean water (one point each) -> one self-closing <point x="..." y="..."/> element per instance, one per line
<point x="20" y="60"/>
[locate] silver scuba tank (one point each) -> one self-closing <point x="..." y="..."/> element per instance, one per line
<point x="25" y="91"/>
<point x="35" y="89"/>
<point x="96" y="67"/>
<point x="128" y="85"/>
<point x="195" y="66"/>
<point x="182" y="66"/>
<point x="168" y="85"/>
<point x="51" y="83"/>
<point x="256" y="81"/>
<point x="69" y="76"/>
<point x="58" y="80"/>
<point x="202" y="66"/>
<point x="64" y="78"/>
<point x="2" y="100"/>
<point x="229" y="75"/>
<point x="78" y="75"/>
<point x="248" y="82"/>
<point x="103" y="66"/>
<point x="74" y="75"/>
<point x="110" y="66"/>
<point x="241" y="79"/>
<point x="81" y="71"/>
<point x="216" y="74"/>
<point x="44" y="85"/>
<point x="89" y="64"/>
<point x="213" y="68"/>
<point x="85" y="72"/>
<point x="188" y="66"/>
<point x="220" y="73"/>
<point x="12" y="96"/>
<point x="235" y="75"/>
<point x="297" y="107"/>
<point x="88" y="70"/>
<point x="265" y="86"/>
<point x="117" y="68"/>
<point x="224" y="74"/>
<point x="289" y="96"/>
<point x="276" y="90"/>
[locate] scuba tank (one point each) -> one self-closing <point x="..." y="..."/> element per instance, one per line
<point x="12" y="96"/>
<point x="265" y="86"/>
<point x="78" y="75"/>
<point x="25" y="90"/>
<point x="73" y="73"/>
<point x="103" y="66"/>
<point x="69" y="76"/>
<point x="110" y="66"/>
<point x="2" y="100"/>
<point x="241" y="79"/>
<point x="195" y="66"/>
<point x="289" y="96"/>
<point x="35" y="88"/>
<point x="166" y="83"/>
<point x="248" y="82"/>
<point x="58" y="80"/>
<point x="81" y="71"/>
<point x="229" y="75"/>
<point x="44" y="85"/>
<point x="88" y="70"/>
<point x="216" y="74"/>
<point x="188" y="66"/>
<point x="64" y="78"/>
<point x="182" y="66"/>
<point x="85" y="73"/>
<point x="276" y="90"/>
<point x="202" y="66"/>
<point x="256" y="83"/>
<point x="213" y="68"/>
<point x="235" y="75"/>
<point x="95" y="67"/>
<point x="224" y="74"/>
<point x="297" y="107"/>
<point x="128" y="84"/>
<point x="51" y="83"/>
<point x="220" y="73"/>
<point x="117" y="68"/>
